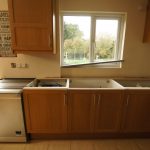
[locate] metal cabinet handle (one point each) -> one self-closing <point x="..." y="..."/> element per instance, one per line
<point x="49" y="41"/>
<point x="127" y="101"/>
<point x="65" y="100"/>
<point x="94" y="99"/>
<point x="99" y="99"/>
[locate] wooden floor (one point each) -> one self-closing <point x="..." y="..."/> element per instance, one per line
<point x="102" y="144"/>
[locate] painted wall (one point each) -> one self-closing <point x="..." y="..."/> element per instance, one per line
<point x="40" y="64"/>
<point x="136" y="53"/>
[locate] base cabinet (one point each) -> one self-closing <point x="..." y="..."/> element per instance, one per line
<point x="45" y="111"/>
<point x="95" y="112"/>
<point x="108" y="113"/>
<point x="87" y="112"/>
<point x="80" y="111"/>
<point x="136" y="111"/>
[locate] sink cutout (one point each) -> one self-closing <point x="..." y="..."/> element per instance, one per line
<point x="93" y="83"/>
<point x="134" y="83"/>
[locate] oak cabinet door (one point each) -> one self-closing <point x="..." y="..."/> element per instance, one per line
<point x="45" y="111"/>
<point x="146" y="37"/>
<point x="137" y="112"/>
<point x="81" y="111"/>
<point x="31" y="25"/>
<point x="108" y="112"/>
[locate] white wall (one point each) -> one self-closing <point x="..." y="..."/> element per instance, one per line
<point x="40" y="64"/>
<point x="136" y="53"/>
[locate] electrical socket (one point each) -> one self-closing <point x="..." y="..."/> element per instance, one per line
<point x="19" y="65"/>
<point x="13" y="65"/>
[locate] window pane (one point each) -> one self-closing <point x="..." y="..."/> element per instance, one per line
<point x="105" y="40"/>
<point x="76" y="39"/>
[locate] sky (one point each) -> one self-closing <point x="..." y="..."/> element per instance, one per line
<point x="102" y="26"/>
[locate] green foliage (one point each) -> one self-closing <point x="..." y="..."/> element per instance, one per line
<point x="71" y="31"/>
<point x="105" y="46"/>
<point x="76" y="49"/>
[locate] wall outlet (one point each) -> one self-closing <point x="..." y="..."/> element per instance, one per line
<point x="19" y="65"/>
<point x="13" y="65"/>
<point x="26" y="65"/>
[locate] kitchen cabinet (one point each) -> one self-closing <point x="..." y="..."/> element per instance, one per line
<point x="81" y="111"/>
<point x="95" y="111"/>
<point x="146" y="37"/>
<point x="136" y="111"/>
<point x="32" y="25"/>
<point x="109" y="107"/>
<point x="45" y="111"/>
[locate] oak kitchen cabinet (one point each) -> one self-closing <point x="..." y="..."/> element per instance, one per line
<point x="136" y="111"/>
<point x="32" y="25"/>
<point x="81" y="111"/>
<point x="95" y="111"/>
<point x="45" y="111"/>
<point x="147" y="25"/>
<point x="109" y="105"/>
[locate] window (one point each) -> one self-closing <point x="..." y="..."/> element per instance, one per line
<point x="92" y="38"/>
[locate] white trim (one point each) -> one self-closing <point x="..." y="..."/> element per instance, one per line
<point x="61" y="41"/>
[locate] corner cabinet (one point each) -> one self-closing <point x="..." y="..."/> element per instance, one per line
<point x="136" y="111"/>
<point x="146" y="37"/>
<point x="33" y="25"/>
<point x="45" y="111"/>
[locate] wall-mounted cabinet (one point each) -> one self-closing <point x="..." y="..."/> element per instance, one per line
<point x="33" y="25"/>
<point x="146" y="37"/>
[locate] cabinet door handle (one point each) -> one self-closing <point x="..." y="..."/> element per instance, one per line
<point x="94" y="99"/>
<point x="65" y="100"/>
<point x="99" y="99"/>
<point x="127" y="101"/>
<point x="49" y="41"/>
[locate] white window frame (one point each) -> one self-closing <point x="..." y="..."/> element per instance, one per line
<point x="121" y="17"/>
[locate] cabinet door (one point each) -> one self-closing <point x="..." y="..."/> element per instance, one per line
<point x="137" y="113"/>
<point x="45" y="111"/>
<point x="147" y="25"/>
<point x="31" y="25"/>
<point x="81" y="111"/>
<point x="108" y="111"/>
